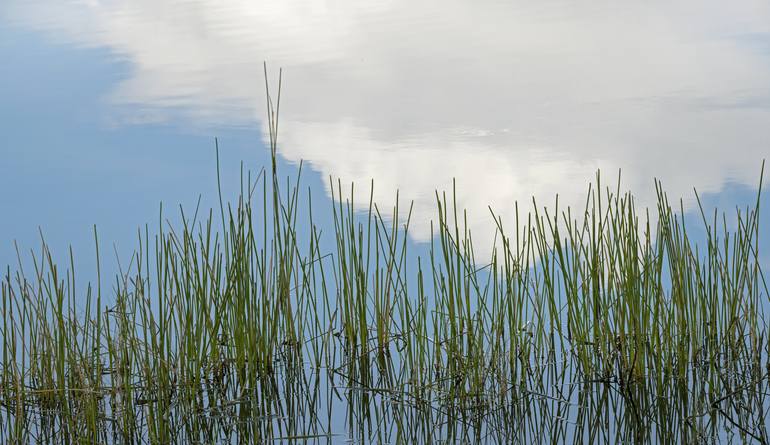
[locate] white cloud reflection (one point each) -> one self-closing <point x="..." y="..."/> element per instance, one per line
<point x="512" y="98"/>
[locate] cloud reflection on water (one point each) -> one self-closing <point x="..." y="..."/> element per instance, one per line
<point x="512" y="99"/>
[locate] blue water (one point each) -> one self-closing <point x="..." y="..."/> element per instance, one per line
<point x="109" y="109"/>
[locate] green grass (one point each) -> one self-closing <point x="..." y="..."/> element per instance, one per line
<point x="602" y="324"/>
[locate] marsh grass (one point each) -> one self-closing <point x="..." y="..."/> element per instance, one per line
<point x="249" y="324"/>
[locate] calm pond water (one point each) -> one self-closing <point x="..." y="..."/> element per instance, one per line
<point x="109" y="107"/>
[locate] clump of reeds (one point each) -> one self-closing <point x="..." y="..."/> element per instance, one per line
<point x="598" y="325"/>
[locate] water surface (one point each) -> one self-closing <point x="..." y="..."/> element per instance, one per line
<point x="109" y="107"/>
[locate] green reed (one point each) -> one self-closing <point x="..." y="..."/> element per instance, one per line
<point x="609" y="323"/>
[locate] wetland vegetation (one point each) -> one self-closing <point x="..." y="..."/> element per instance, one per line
<point x="605" y="324"/>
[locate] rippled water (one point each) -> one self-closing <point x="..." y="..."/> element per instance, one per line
<point x="512" y="99"/>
